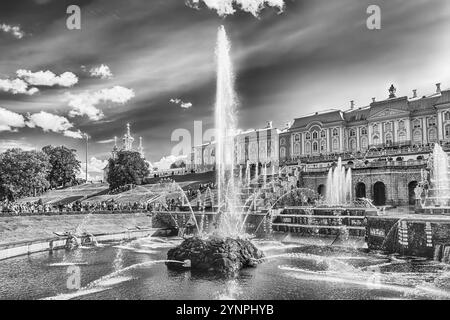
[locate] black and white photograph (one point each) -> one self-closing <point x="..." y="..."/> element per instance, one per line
<point x="240" y="152"/>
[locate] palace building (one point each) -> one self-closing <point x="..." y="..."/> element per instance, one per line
<point x="386" y="143"/>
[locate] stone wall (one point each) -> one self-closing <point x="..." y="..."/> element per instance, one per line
<point x="395" y="179"/>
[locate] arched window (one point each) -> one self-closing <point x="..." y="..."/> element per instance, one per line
<point x="364" y="131"/>
<point x="352" y="133"/>
<point x="364" y="143"/>
<point x="308" y="136"/>
<point x="389" y="139"/>
<point x="297" y="149"/>
<point x="335" y="132"/>
<point x="352" y="145"/>
<point x="432" y="135"/>
<point x="402" y="136"/>
<point x="376" y="140"/>
<point x="417" y="137"/>
<point x="297" y="138"/>
<point x="315" y="147"/>
<point x="283" y="152"/>
<point x="308" y="147"/>
<point x="323" y="134"/>
<point x="283" y="141"/>
<point x="315" y="135"/>
<point x="432" y="122"/>
<point x="335" y="144"/>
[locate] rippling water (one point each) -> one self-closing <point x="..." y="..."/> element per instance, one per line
<point x="136" y="270"/>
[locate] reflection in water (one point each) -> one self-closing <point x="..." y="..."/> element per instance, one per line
<point x="290" y="271"/>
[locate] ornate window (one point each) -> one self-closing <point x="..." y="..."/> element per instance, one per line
<point x="402" y="136"/>
<point x="297" y="138"/>
<point x="417" y="137"/>
<point x="335" y="144"/>
<point x="308" y="147"/>
<point x="417" y="124"/>
<point x="401" y="125"/>
<point x="364" y="131"/>
<point x="447" y="131"/>
<point x="388" y="126"/>
<point x="323" y="134"/>
<point x="389" y="139"/>
<point x="447" y="115"/>
<point x="315" y="147"/>
<point x="375" y="128"/>
<point x="352" y="145"/>
<point x="376" y="140"/>
<point x="297" y="149"/>
<point x="432" y="122"/>
<point x="335" y="132"/>
<point x="308" y="136"/>
<point x="432" y="135"/>
<point x="352" y="133"/>
<point x="364" y="143"/>
<point x="315" y="135"/>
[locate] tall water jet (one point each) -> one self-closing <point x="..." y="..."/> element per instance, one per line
<point x="339" y="185"/>
<point x="439" y="176"/>
<point x="225" y="123"/>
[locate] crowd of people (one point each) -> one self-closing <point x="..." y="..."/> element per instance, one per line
<point x="173" y="202"/>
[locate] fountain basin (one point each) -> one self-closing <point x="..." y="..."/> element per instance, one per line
<point x="220" y="255"/>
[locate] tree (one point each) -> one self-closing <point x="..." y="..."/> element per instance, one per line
<point x="22" y="173"/>
<point x="64" y="165"/>
<point x="127" y="167"/>
<point x="178" y="164"/>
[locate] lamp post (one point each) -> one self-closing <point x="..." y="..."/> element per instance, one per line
<point x="87" y="150"/>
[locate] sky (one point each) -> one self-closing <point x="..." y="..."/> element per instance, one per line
<point x="152" y="64"/>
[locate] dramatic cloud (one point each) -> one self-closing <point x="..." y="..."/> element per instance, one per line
<point x="86" y="103"/>
<point x="48" y="78"/>
<point x="54" y="123"/>
<point x="182" y="104"/>
<point x="227" y="7"/>
<point x="10" y="121"/>
<point x="102" y="72"/>
<point x="16" y="86"/>
<point x="14" y="30"/>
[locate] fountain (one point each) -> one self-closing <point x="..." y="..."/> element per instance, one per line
<point x="226" y="250"/>
<point x="339" y="185"/>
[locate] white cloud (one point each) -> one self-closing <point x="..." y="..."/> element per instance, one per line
<point x="165" y="162"/>
<point x="182" y="104"/>
<point x="53" y="123"/>
<point x="95" y="169"/>
<point x="10" y="121"/>
<point x="86" y="103"/>
<point x="48" y="78"/>
<point x="102" y="72"/>
<point x="227" y="7"/>
<point x="16" y="86"/>
<point x="14" y="30"/>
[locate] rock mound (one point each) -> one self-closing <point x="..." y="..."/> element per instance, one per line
<point x="221" y="255"/>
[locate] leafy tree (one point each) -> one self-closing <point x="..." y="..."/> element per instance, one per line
<point x="64" y="165"/>
<point x="178" y="164"/>
<point x="127" y="167"/>
<point x="22" y="173"/>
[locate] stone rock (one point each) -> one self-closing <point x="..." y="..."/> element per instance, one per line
<point x="220" y="255"/>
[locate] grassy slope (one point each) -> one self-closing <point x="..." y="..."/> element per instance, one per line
<point x="13" y="229"/>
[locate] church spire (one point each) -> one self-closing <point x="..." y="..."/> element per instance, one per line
<point x="128" y="139"/>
